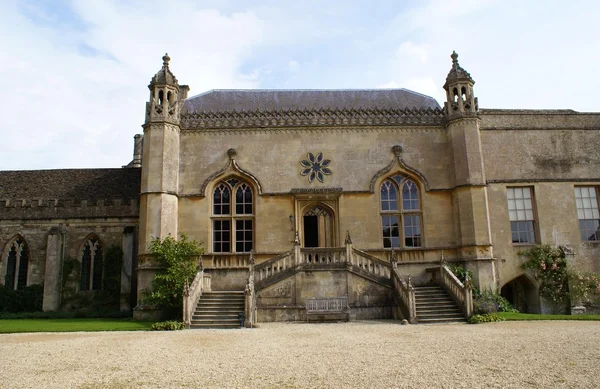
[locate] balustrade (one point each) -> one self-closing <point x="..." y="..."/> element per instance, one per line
<point x="406" y="293"/>
<point x="228" y="261"/>
<point x="369" y="263"/>
<point x="323" y="255"/>
<point x="192" y="293"/>
<point x="273" y="266"/>
<point x="463" y="294"/>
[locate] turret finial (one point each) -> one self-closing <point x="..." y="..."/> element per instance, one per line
<point x="454" y="57"/>
<point x="166" y="59"/>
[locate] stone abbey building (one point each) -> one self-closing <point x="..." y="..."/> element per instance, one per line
<point x="322" y="193"/>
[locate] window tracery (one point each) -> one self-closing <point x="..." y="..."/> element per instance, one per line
<point x="17" y="264"/>
<point x="400" y="212"/>
<point x="91" y="265"/>
<point x="233" y="217"/>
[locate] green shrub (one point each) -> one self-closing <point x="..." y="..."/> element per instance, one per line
<point x="170" y="325"/>
<point x="486" y="318"/>
<point x="489" y="302"/>
<point x="461" y="273"/>
<point x="28" y="299"/>
<point x="178" y="262"/>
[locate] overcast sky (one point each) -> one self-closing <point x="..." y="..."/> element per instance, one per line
<point x="74" y="74"/>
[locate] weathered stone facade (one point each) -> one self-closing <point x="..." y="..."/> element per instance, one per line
<point x="297" y="170"/>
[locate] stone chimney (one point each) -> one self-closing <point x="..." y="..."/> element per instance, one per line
<point x="138" y="141"/>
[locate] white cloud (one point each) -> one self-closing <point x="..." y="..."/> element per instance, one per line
<point x="75" y="84"/>
<point x="72" y="109"/>
<point x="293" y="66"/>
<point x="413" y="49"/>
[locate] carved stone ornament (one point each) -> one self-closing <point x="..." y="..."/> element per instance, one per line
<point x="315" y="167"/>
<point x="232" y="153"/>
<point x="284" y="290"/>
<point x="397" y="150"/>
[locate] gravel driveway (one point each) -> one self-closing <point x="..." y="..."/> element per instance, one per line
<point x="368" y="354"/>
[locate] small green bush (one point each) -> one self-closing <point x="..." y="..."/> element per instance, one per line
<point x="487" y="318"/>
<point x="489" y="302"/>
<point x="461" y="273"/>
<point x="170" y="325"/>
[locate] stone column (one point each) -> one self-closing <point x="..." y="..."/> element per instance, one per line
<point x="52" y="274"/>
<point x="128" y="244"/>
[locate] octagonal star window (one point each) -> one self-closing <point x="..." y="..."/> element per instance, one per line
<point x="315" y="167"/>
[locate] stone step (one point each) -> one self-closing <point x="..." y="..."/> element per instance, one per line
<point x="435" y="303"/>
<point x="220" y="302"/>
<point x="441" y="320"/>
<point x="214" y="326"/>
<point x="432" y="294"/>
<point x="440" y="314"/>
<point x="438" y="309"/>
<point x="216" y="321"/>
<point x="226" y="314"/>
<point x="219" y="309"/>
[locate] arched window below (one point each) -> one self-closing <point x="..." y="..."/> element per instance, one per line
<point x="17" y="265"/>
<point x="232" y="217"/>
<point x="400" y="213"/>
<point x="91" y="265"/>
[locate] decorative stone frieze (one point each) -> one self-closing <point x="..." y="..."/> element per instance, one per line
<point x="306" y="117"/>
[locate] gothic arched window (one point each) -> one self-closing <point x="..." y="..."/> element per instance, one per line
<point x="17" y="264"/>
<point x="233" y="217"/>
<point x="400" y="213"/>
<point x="91" y="265"/>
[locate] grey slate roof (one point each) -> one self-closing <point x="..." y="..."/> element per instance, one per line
<point x="81" y="184"/>
<point x="274" y="100"/>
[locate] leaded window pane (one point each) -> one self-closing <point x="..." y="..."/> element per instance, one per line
<point x="243" y="241"/>
<point x="11" y="268"/>
<point x="410" y="196"/>
<point x="221" y="236"/>
<point x="221" y="200"/>
<point x="389" y="196"/>
<point x="522" y="232"/>
<point x="391" y="237"/>
<point x="86" y="267"/>
<point x="243" y="200"/>
<point x="98" y="267"/>
<point x="412" y="231"/>
<point x="587" y="212"/>
<point x="520" y="214"/>
<point x="23" y="265"/>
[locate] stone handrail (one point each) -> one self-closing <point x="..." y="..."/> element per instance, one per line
<point x="192" y="293"/>
<point x="370" y="263"/>
<point x="322" y="255"/>
<point x="463" y="294"/>
<point x="273" y="266"/>
<point x="406" y="293"/>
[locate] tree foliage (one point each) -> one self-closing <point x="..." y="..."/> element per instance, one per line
<point x="178" y="261"/>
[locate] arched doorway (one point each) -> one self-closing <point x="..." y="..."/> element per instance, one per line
<point x="522" y="294"/>
<point x="318" y="227"/>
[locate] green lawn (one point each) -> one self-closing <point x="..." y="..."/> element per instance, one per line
<point x="70" y="325"/>
<point x="530" y="316"/>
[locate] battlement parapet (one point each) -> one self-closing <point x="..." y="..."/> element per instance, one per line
<point x="67" y="208"/>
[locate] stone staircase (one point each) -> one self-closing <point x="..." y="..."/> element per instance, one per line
<point x="219" y="309"/>
<point x="434" y="305"/>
